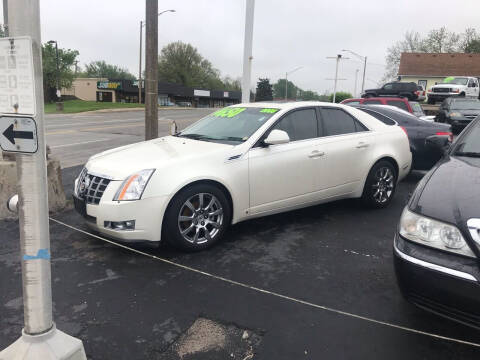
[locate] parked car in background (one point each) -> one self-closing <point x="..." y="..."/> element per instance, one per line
<point x="238" y="163"/>
<point x="184" y="103"/>
<point x="412" y="107"/>
<point x="423" y="157"/>
<point x="458" y="112"/>
<point x="454" y="86"/>
<point x="437" y="243"/>
<point x="396" y="89"/>
<point x="421" y="93"/>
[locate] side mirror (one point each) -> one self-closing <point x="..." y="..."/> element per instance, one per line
<point x="439" y="143"/>
<point x="277" y="137"/>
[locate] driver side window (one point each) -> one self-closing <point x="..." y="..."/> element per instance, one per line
<point x="299" y="124"/>
<point x="388" y="87"/>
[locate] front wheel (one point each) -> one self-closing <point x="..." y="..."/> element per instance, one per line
<point x="197" y="217"/>
<point x="380" y="185"/>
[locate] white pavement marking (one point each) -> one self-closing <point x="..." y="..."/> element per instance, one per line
<point x="263" y="291"/>
<point x="79" y="143"/>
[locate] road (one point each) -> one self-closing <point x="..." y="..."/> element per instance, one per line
<point x="73" y="138"/>
<point x="331" y="263"/>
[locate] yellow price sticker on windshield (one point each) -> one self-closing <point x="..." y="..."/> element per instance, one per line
<point x="269" y="111"/>
<point x="229" y="112"/>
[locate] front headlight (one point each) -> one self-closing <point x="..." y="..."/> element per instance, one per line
<point x="133" y="186"/>
<point x="455" y="115"/>
<point x="433" y="233"/>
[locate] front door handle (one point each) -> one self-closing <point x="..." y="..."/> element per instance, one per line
<point x="362" y="145"/>
<point x="316" y="154"/>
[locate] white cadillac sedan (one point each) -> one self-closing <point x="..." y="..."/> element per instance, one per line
<point x="240" y="162"/>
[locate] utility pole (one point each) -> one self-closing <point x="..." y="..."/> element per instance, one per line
<point x="151" y="70"/>
<point x="140" y="66"/>
<point x="40" y="338"/>
<point x="355" y="88"/>
<point x="338" y="58"/>
<point x="247" y="50"/>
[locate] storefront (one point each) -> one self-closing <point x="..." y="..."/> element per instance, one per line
<point x="169" y="94"/>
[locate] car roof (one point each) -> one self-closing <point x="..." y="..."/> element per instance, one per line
<point x="286" y="105"/>
<point x="386" y="98"/>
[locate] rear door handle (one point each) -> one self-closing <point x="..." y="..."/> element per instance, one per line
<point x="362" y="145"/>
<point x="316" y="154"/>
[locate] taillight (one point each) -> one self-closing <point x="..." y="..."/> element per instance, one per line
<point x="445" y="133"/>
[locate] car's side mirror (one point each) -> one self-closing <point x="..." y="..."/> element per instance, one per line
<point x="277" y="137"/>
<point x="440" y="143"/>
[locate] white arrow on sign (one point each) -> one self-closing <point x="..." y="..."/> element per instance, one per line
<point x="18" y="134"/>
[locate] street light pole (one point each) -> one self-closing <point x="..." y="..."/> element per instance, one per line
<point x="247" y="50"/>
<point x="364" y="59"/>
<point x="142" y="24"/>
<point x="286" y="80"/>
<point x="151" y="70"/>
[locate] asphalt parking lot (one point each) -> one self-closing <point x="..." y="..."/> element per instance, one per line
<point x="129" y="305"/>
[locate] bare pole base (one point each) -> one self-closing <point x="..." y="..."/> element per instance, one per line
<point x="51" y="345"/>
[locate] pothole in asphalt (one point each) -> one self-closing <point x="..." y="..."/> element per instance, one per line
<point x="207" y="339"/>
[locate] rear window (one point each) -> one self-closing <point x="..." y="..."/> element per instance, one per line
<point x="372" y="102"/>
<point x="378" y="116"/>
<point x="399" y="104"/>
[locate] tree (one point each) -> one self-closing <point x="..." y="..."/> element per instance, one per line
<point x="264" y="90"/>
<point x="308" y="95"/>
<point x="473" y="47"/>
<point x="101" y="69"/>
<point x="279" y="89"/>
<point x="67" y="59"/>
<point x="340" y="96"/>
<point x="181" y="63"/>
<point x="232" y="84"/>
<point x="436" y="41"/>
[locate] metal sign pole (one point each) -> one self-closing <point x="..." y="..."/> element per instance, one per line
<point x="40" y="339"/>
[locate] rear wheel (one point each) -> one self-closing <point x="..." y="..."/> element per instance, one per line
<point x="197" y="217"/>
<point x="380" y="185"/>
<point x="431" y="101"/>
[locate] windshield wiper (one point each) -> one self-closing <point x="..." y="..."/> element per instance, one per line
<point x="191" y="136"/>
<point x="468" y="154"/>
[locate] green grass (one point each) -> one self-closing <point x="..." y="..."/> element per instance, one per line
<point x="76" y="106"/>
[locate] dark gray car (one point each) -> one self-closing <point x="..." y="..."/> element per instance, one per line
<point x="458" y="112"/>
<point x="423" y="157"/>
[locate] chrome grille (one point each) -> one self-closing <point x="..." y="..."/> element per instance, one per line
<point x="91" y="187"/>
<point x="441" y="90"/>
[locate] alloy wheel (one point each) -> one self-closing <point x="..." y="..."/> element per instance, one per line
<point x="383" y="185"/>
<point x="200" y="218"/>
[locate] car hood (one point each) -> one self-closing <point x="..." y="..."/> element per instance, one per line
<point x="450" y="192"/>
<point x="121" y="162"/>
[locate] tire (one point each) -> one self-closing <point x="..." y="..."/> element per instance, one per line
<point x="431" y="101"/>
<point x="205" y="205"/>
<point x="380" y="185"/>
<point x="462" y="95"/>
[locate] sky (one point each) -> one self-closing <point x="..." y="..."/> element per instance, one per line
<point x="287" y="33"/>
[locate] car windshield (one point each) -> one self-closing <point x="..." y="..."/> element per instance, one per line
<point x="469" y="144"/>
<point x="465" y="105"/>
<point x="229" y="125"/>
<point x="456" y="81"/>
<point x="417" y="109"/>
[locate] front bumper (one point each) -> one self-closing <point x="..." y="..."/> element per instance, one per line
<point x="148" y="215"/>
<point x="441" y="96"/>
<point x="445" y="284"/>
